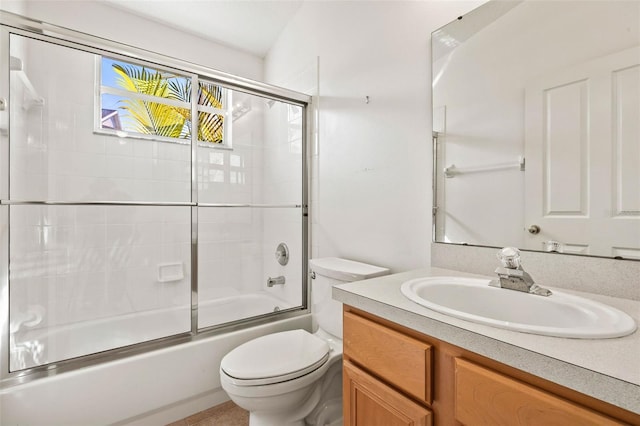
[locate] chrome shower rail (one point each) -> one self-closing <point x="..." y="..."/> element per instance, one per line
<point x="147" y="203"/>
<point x="67" y="37"/>
<point x="261" y="206"/>
<point x="94" y="203"/>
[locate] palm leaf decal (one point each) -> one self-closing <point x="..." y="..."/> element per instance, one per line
<point x="157" y="118"/>
<point x="153" y="118"/>
<point x="210" y="126"/>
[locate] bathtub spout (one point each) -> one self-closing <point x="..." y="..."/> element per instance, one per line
<point x="275" y="281"/>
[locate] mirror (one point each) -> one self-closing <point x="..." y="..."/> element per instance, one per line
<point x="536" y="127"/>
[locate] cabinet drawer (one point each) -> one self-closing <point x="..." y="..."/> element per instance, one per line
<point x="394" y="357"/>
<point x="484" y="397"/>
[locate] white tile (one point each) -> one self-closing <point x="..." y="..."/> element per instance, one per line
<point x="87" y="260"/>
<point x="89" y="236"/>
<point x="148" y="233"/>
<point x="119" y="146"/>
<point x="177" y="253"/>
<point x="142" y="168"/>
<point x="121" y="235"/>
<point x="145" y="149"/>
<point x="119" y="166"/>
<point x="176" y="233"/>
<point x="172" y="191"/>
<point x="56" y="262"/>
<point x="153" y="215"/>
<point x="27" y="186"/>
<point x="91" y="215"/>
<point x="60" y="215"/>
<point x="176" y="214"/>
<point x="174" y="151"/>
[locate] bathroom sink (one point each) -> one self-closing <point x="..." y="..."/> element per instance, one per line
<point x="560" y="314"/>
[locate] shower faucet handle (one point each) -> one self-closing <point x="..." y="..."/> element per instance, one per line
<point x="282" y="254"/>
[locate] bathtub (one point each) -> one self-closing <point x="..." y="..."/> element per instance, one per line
<point x="33" y="347"/>
<point x="233" y="308"/>
<point x="156" y="387"/>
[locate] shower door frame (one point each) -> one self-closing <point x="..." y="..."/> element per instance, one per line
<point x="15" y="24"/>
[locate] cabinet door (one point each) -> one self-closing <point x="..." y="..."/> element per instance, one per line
<point x="484" y="397"/>
<point x="369" y="402"/>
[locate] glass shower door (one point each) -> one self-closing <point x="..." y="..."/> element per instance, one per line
<point x="99" y="224"/>
<point x="250" y="202"/>
<point x="141" y="203"/>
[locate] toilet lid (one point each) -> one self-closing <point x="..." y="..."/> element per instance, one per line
<point x="268" y="358"/>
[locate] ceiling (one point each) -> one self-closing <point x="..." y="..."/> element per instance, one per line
<point x="248" y="25"/>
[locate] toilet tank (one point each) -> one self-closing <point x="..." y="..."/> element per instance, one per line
<point x="325" y="273"/>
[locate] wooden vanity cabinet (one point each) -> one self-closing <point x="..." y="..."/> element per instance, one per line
<point x="396" y="376"/>
<point x="391" y="357"/>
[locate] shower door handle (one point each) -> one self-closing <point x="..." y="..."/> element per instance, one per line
<point x="4" y="120"/>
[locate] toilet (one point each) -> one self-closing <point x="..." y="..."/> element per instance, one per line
<point x="293" y="378"/>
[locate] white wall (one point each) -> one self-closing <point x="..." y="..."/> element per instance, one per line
<point x="105" y="21"/>
<point x="14" y="6"/>
<point x="371" y="172"/>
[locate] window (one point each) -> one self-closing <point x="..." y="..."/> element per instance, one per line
<point x="211" y="113"/>
<point x="145" y="102"/>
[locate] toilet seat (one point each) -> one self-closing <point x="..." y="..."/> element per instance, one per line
<point x="275" y="358"/>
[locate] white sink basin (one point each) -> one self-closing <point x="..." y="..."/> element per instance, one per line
<point x="560" y="315"/>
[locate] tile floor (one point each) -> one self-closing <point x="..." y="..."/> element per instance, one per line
<point x="226" y="414"/>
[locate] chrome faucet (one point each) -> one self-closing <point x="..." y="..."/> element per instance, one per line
<point x="512" y="276"/>
<point x="275" y="281"/>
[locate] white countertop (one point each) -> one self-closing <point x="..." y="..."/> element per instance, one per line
<point x="607" y="369"/>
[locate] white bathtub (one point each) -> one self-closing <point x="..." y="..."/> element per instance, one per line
<point x="33" y="347"/>
<point x="233" y="308"/>
<point x="152" y="388"/>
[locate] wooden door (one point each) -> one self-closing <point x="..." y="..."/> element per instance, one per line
<point x="369" y="402"/>
<point x="582" y="147"/>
